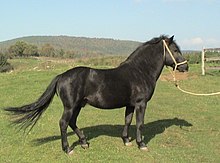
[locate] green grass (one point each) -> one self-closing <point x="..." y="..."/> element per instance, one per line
<point x="166" y="112"/>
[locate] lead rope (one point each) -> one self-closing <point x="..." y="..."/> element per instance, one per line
<point x="174" y="75"/>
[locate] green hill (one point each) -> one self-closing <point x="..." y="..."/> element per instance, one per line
<point x="82" y="45"/>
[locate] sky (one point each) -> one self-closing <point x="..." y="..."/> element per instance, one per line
<point x="195" y="23"/>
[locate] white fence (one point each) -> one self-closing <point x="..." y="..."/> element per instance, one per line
<point x="208" y="59"/>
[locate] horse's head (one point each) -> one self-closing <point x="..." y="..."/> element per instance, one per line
<point x="173" y="55"/>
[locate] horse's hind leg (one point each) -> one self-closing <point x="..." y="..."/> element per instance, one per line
<point x="128" y="118"/>
<point x="64" y="122"/>
<point x="72" y="124"/>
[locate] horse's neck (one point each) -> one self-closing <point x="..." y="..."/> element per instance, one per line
<point x="151" y="65"/>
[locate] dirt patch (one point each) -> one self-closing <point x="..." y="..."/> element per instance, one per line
<point x="179" y="76"/>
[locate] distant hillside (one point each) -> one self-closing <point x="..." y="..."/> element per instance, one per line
<point x="100" y="46"/>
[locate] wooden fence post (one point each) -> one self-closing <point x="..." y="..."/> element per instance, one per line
<point x="203" y="61"/>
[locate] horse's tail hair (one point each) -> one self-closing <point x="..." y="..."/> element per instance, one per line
<point x="27" y="116"/>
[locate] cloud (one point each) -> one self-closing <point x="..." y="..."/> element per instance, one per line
<point x="197" y="43"/>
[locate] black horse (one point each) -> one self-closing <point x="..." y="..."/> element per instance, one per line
<point x="129" y="85"/>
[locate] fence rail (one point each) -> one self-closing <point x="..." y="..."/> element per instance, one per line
<point x="209" y="59"/>
<point x="212" y="59"/>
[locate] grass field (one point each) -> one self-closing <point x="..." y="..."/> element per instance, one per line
<point x="178" y="127"/>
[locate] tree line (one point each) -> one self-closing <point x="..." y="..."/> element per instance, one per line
<point x="24" y="49"/>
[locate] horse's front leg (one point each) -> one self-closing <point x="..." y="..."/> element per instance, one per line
<point x="128" y="118"/>
<point x="140" y="112"/>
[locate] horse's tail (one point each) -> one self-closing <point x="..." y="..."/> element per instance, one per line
<point x="27" y="115"/>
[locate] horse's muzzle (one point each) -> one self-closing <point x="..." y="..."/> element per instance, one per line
<point x="183" y="67"/>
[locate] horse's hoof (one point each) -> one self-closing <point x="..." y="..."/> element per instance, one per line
<point x="144" y="148"/>
<point x="128" y="144"/>
<point x="70" y="152"/>
<point x="126" y="141"/>
<point x="85" y="146"/>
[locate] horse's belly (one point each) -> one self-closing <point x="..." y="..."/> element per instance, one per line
<point x="107" y="101"/>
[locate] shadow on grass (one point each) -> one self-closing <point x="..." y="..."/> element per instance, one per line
<point x="150" y="130"/>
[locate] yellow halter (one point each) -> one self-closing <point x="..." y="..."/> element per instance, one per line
<point x="174" y="74"/>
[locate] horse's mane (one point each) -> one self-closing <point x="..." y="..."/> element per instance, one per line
<point x="155" y="40"/>
<point x="142" y="47"/>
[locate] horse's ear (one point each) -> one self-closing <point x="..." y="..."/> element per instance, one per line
<point x="171" y="39"/>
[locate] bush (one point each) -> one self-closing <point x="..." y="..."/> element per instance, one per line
<point x="4" y="65"/>
<point x="193" y="58"/>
